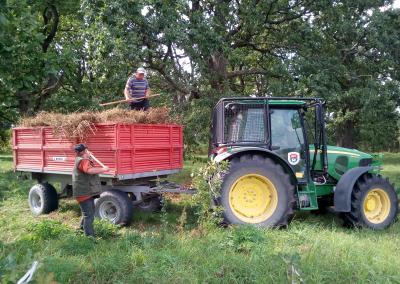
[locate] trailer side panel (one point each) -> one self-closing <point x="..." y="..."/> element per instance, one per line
<point x="127" y="149"/>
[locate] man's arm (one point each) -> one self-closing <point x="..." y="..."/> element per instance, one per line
<point x="148" y="93"/>
<point x="126" y="91"/>
<point x="94" y="171"/>
<point x="85" y="167"/>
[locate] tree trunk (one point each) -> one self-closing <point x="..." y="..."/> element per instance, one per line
<point x="345" y="135"/>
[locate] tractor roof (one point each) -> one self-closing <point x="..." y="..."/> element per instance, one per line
<point x="281" y="101"/>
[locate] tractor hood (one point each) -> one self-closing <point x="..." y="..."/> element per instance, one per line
<point x="340" y="160"/>
<point x="347" y="152"/>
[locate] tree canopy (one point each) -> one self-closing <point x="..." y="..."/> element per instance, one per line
<point x="70" y="55"/>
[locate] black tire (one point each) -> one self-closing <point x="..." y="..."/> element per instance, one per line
<point x="149" y="205"/>
<point x="114" y="206"/>
<point x="365" y="186"/>
<point x="257" y="165"/>
<point x="42" y="199"/>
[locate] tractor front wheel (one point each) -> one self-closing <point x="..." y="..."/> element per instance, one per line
<point x="257" y="191"/>
<point x="374" y="203"/>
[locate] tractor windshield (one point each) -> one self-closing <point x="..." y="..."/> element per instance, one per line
<point x="286" y="129"/>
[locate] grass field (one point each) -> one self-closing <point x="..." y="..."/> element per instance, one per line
<point x="169" y="247"/>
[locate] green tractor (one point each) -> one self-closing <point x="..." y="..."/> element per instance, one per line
<point x="279" y="162"/>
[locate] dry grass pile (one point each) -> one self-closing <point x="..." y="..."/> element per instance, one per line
<point x="79" y="125"/>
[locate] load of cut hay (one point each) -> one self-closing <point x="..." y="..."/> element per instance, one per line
<point x="79" y="125"/>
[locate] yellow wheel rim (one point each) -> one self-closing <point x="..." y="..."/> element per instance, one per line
<point x="253" y="198"/>
<point x="376" y="206"/>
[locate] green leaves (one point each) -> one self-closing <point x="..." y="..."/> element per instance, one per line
<point x="344" y="59"/>
<point x="199" y="51"/>
<point x="207" y="181"/>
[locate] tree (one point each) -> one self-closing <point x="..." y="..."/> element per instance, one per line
<point x="33" y="66"/>
<point x="343" y="58"/>
<point x="197" y="51"/>
<point x="69" y="55"/>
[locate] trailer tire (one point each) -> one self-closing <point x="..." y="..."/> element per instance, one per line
<point x="42" y="199"/>
<point x="114" y="206"/>
<point x="150" y="205"/>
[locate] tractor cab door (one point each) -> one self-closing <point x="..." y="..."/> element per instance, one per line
<point x="287" y="139"/>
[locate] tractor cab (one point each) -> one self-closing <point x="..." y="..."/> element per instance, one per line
<point x="288" y="136"/>
<point x="274" y="125"/>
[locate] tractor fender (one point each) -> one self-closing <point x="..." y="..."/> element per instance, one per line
<point x="344" y="188"/>
<point x="255" y="150"/>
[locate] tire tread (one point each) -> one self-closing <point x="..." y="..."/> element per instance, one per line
<point x="281" y="174"/>
<point x="354" y="218"/>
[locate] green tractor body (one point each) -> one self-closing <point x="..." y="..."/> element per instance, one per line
<point x="280" y="162"/>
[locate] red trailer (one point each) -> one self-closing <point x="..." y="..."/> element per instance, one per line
<point x="138" y="156"/>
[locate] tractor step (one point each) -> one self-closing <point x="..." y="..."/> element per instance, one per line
<point x="307" y="197"/>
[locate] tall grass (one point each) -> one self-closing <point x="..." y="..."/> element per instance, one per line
<point x="169" y="247"/>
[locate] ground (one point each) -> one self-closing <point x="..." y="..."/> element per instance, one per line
<point x="168" y="247"/>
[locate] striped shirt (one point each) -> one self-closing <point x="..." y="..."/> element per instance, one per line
<point x="137" y="88"/>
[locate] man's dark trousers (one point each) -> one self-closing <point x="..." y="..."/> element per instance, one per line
<point x="140" y="105"/>
<point x="87" y="208"/>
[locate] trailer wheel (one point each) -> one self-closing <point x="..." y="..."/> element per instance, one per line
<point x="42" y="198"/>
<point x="115" y="207"/>
<point x="149" y="205"/>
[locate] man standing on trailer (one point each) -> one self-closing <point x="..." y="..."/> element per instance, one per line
<point x="85" y="185"/>
<point x="138" y="87"/>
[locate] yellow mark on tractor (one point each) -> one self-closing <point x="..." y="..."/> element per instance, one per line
<point x="338" y="152"/>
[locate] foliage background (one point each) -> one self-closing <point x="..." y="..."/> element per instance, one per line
<point x="70" y="55"/>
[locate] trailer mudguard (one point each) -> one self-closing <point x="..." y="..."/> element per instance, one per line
<point x="344" y="188"/>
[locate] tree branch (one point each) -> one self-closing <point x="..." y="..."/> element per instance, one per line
<point x="50" y="13"/>
<point x="255" y="71"/>
<point x="48" y="88"/>
<point x="171" y="81"/>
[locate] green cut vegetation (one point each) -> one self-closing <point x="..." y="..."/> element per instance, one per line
<point x="170" y="247"/>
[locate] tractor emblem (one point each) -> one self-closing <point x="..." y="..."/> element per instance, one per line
<point x="293" y="158"/>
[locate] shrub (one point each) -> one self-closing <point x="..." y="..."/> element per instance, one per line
<point x="208" y="180"/>
<point x="105" y="230"/>
<point x="46" y="230"/>
<point x="245" y="238"/>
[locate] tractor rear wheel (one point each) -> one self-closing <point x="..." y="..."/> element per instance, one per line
<point x="257" y="191"/>
<point x="374" y="203"/>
